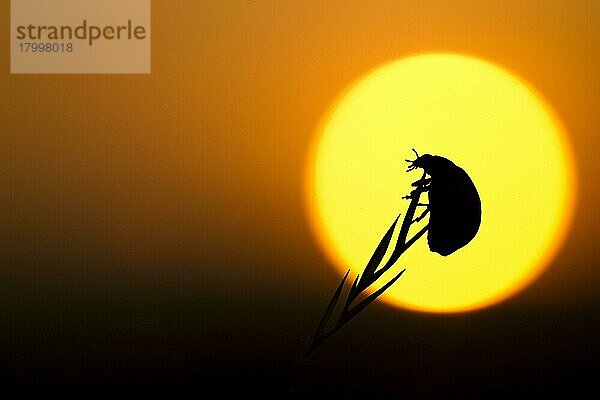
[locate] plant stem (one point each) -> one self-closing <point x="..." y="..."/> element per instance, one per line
<point x="370" y="274"/>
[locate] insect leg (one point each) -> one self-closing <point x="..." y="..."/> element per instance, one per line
<point x="420" y="186"/>
<point x="420" y="217"/>
<point x="416" y="192"/>
<point x="423" y="182"/>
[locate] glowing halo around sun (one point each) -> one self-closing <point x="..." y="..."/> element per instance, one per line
<point x="478" y="115"/>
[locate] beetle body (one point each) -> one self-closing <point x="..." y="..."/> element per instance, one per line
<point x="454" y="204"/>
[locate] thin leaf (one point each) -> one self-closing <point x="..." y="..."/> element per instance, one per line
<point x="378" y="255"/>
<point x="417" y="236"/>
<point x="361" y="306"/>
<point x="330" y="307"/>
<point x="354" y="292"/>
<point x="404" y="229"/>
<point x="377" y="274"/>
<point x="320" y="335"/>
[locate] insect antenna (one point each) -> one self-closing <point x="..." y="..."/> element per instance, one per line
<point x="412" y="162"/>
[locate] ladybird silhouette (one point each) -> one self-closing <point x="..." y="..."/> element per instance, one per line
<point x="454" y="203"/>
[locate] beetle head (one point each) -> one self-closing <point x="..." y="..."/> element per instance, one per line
<point x="424" y="162"/>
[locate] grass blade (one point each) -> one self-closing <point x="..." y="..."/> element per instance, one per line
<point x="378" y="255"/>
<point x="361" y="306"/>
<point x="318" y="336"/>
<point x="354" y="292"/>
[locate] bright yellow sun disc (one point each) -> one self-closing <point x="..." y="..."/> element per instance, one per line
<point x="485" y="120"/>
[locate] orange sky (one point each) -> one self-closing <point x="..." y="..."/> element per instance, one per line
<point x="199" y="165"/>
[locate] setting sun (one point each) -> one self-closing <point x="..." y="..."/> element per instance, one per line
<point x="481" y="117"/>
